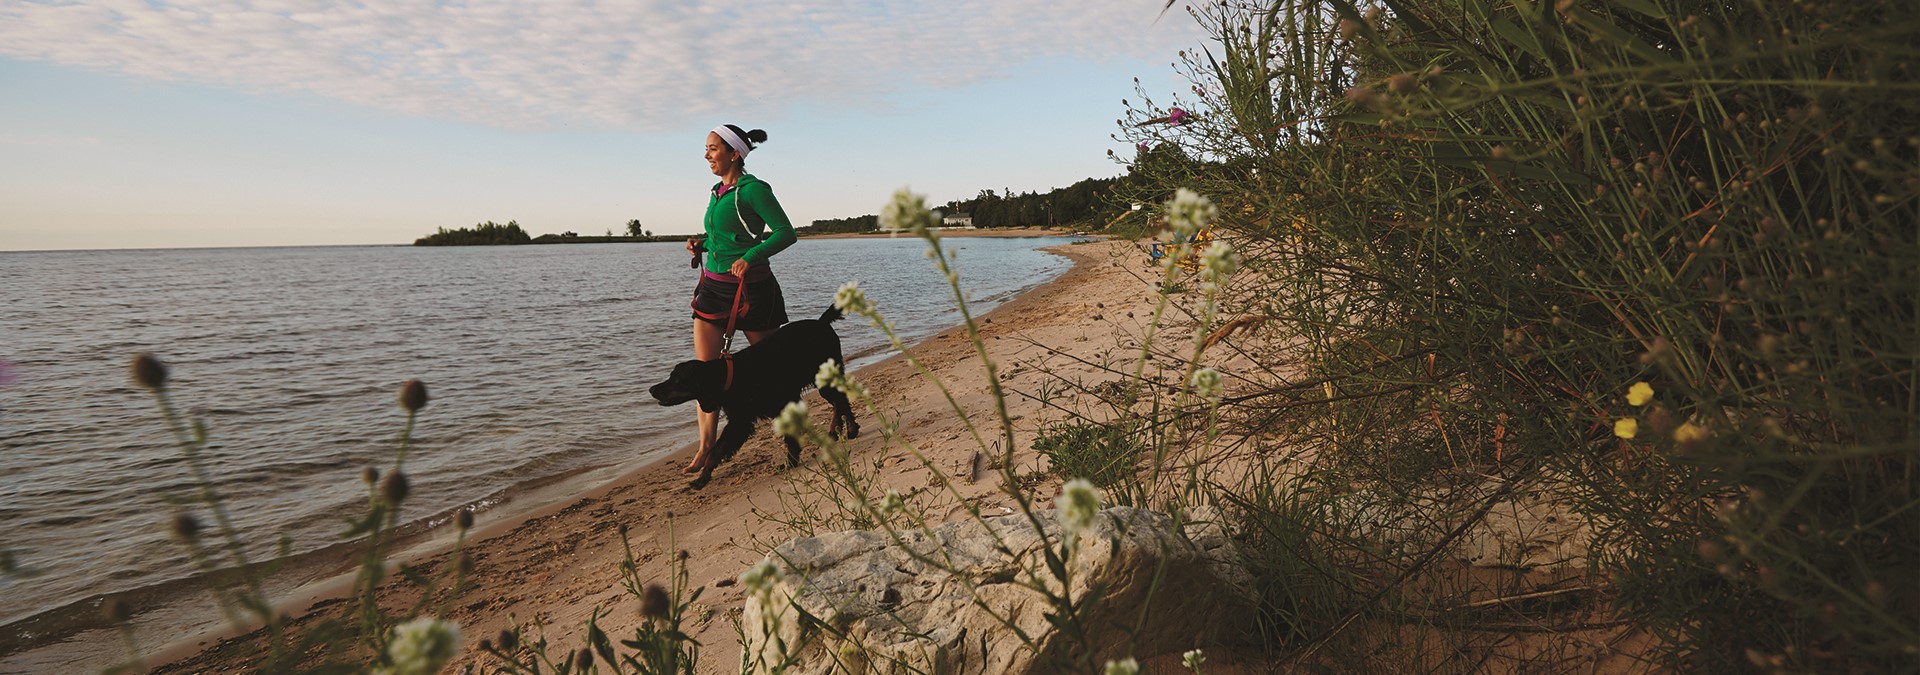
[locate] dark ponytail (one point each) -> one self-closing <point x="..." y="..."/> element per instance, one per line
<point x="754" y="138"/>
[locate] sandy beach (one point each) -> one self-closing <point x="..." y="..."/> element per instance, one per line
<point x="957" y="232"/>
<point x="559" y="565"/>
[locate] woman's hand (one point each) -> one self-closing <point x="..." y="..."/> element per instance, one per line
<point x="739" y="268"/>
<point x="691" y="243"/>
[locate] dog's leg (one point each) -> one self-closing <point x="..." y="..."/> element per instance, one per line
<point x="793" y="451"/>
<point x="843" y="426"/>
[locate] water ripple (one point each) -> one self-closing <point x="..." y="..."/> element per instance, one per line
<point x="537" y="357"/>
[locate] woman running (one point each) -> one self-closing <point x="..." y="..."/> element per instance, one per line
<point x="745" y="226"/>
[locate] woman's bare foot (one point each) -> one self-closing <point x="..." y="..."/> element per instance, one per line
<point x="698" y="464"/>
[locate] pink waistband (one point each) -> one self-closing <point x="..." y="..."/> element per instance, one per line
<point x="754" y="273"/>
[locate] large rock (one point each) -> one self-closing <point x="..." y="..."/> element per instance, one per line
<point x="966" y="597"/>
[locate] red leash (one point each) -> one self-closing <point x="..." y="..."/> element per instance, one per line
<point x="739" y="290"/>
<point x="726" y="343"/>
<point x="733" y="317"/>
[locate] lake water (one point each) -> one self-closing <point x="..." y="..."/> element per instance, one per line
<point x="537" y="359"/>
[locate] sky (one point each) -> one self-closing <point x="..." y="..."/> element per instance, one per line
<point x="158" y="123"/>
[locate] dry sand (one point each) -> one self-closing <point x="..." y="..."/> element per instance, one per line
<point x="560" y="564"/>
<point x="994" y="232"/>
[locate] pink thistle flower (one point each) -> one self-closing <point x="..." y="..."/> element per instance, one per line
<point x="1176" y="116"/>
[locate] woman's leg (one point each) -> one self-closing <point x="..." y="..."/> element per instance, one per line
<point x="706" y="347"/>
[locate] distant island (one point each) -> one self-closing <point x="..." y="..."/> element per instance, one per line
<point x="494" y="234"/>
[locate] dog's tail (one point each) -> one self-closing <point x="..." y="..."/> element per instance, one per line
<point x="832" y="314"/>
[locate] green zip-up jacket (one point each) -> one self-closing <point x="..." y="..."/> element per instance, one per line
<point x="734" y="227"/>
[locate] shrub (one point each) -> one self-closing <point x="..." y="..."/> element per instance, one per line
<point x="1483" y="224"/>
<point x="1104" y="454"/>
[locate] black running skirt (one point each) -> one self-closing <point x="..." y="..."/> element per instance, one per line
<point x="761" y="308"/>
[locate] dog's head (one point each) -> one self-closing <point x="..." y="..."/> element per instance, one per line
<point x="692" y="380"/>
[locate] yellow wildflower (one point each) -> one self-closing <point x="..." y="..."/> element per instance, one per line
<point x="1626" y="427"/>
<point x="1639" y="393"/>
<point x="1689" y="434"/>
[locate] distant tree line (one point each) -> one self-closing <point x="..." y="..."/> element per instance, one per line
<point x="1088" y="202"/>
<point x="484" y="234"/>
<point x="866" y="223"/>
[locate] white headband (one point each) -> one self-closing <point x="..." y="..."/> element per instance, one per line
<point x="739" y="144"/>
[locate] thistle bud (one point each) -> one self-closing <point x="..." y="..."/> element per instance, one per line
<point x="115" y="610"/>
<point x="413" y="395"/>
<point x="583" y="659"/>
<point x="185" y="527"/>
<point x="463" y="519"/>
<point x="370" y="475"/>
<point x="149" y="372"/>
<point x="394" y="489"/>
<point x="654" y="602"/>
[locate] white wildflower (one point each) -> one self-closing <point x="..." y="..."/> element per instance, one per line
<point x="829" y="375"/>
<point x="1206" y="383"/>
<point x="1078" y="503"/>
<point x="761" y="576"/>
<point x="851" y="299"/>
<point x="906" y="212"/>
<point x="792" y="420"/>
<point x="1218" y="262"/>
<point x="1188" y="212"/>
<point x="853" y="389"/>
<point x="1126" y="666"/>
<point x="893" y="503"/>
<point x="422" y="646"/>
<point x="1192" y="659"/>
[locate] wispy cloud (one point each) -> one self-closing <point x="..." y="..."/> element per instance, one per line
<point x="538" y="63"/>
<point x="47" y="140"/>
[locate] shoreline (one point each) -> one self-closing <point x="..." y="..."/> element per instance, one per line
<point x="555" y="562"/>
<point x="179" y="609"/>
<point x="1014" y="232"/>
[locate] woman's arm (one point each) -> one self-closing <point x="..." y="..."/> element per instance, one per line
<point x="759" y="196"/>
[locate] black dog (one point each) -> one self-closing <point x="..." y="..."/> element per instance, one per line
<point x="759" y="382"/>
